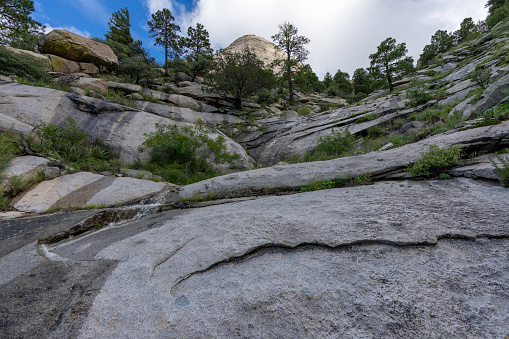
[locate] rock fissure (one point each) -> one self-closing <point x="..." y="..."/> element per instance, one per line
<point x="168" y="257"/>
<point x="358" y="243"/>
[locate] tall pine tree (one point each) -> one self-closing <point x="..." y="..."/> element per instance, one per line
<point x="17" y="28"/>
<point x="165" y="31"/>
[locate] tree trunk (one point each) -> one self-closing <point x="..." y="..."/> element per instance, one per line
<point x="166" y="59"/>
<point x="238" y="103"/>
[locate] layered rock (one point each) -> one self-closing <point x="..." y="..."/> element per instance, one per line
<point x="121" y="128"/>
<point x="73" y="47"/>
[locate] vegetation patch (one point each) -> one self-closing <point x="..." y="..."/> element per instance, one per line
<point x="305" y="110"/>
<point x="435" y="159"/>
<point x="182" y="155"/>
<point x="503" y="169"/>
<point x="494" y="116"/>
<point x="316" y="185"/>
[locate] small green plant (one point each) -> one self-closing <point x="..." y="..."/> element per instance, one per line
<point x="481" y="75"/>
<point x="417" y="93"/>
<point x="503" y="169"/>
<point x="366" y="118"/>
<point x="336" y="144"/>
<point x="494" y="116"/>
<point x="118" y="97"/>
<point x="435" y="159"/>
<point x="305" y="110"/>
<point x="444" y="176"/>
<point x="23" y="66"/>
<point x="316" y="185"/>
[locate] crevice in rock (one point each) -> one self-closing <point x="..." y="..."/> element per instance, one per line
<point x="165" y="259"/>
<point x="358" y="243"/>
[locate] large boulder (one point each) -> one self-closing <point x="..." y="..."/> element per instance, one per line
<point x="62" y="65"/>
<point x="77" y="48"/>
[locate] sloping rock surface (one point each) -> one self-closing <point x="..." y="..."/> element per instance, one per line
<point x="86" y="189"/>
<point x="370" y="261"/>
<point x="120" y="128"/>
<point x="77" y="48"/>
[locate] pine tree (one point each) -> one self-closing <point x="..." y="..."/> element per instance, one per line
<point x="391" y="61"/>
<point x="293" y="45"/>
<point x="17" y="28"/>
<point x="198" y="50"/>
<point x="165" y="31"/>
<point x="120" y="27"/>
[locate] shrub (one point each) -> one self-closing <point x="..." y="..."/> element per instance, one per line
<point x="266" y="97"/>
<point x="315" y="185"/>
<point x="494" y="116"/>
<point x="481" y="75"/>
<point x="305" y="110"/>
<point x="336" y="144"/>
<point x="181" y="154"/>
<point x="71" y="144"/>
<point x="23" y="66"/>
<point x="366" y="118"/>
<point x="418" y="93"/>
<point x="435" y="159"/>
<point x="502" y="170"/>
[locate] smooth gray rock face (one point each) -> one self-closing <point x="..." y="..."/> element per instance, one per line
<point x="121" y="128"/>
<point x="171" y="112"/>
<point x="126" y="88"/>
<point x="26" y="166"/>
<point x="404" y="259"/>
<point x="495" y="93"/>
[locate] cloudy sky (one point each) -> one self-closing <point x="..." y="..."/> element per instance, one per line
<point x="343" y="33"/>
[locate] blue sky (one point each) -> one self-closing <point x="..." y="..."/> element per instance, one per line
<point x="343" y="33"/>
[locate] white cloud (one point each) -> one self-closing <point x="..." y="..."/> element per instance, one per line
<point x="343" y="33"/>
<point x="49" y="28"/>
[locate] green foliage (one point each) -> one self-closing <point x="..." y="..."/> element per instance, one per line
<point x="162" y="28"/>
<point x="119" y="27"/>
<point x="316" y="185"/>
<point x="119" y="97"/>
<point x="9" y="148"/>
<point x="198" y="50"/>
<point x="362" y="82"/>
<point x="306" y="80"/>
<point x="17" y="28"/>
<point x="503" y="169"/>
<point x="498" y="11"/>
<point x="180" y="155"/>
<point x="435" y="159"/>
<point x="366" y="118"/>
<point x="481" y="76"/>
<point x="238" y="76"/>
<point x="441" y="42"/>
<point x="391" y="61"/>
<point x="14" y="185"/>
<point x="70" y="144"/>
<point x="494" y="116"/>
<point x="288" y="40"/>
<point x="417" y="93"/>
<point x="335" y="145"/>
<point x="266" y="96"/>
<point x="467" y="29"/>
<point x="305" y="110"/>
<point x="23" y="66"/>
<point x="343" y="83"/>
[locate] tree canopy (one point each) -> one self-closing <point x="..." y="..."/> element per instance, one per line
<point x="390" y="60"/>
<point x="236" y="76"/>
<point x="288" y="40"/>
<point x="498" y="10"/>
<point x="17" y="28"/>
<point x="198" y="50"/>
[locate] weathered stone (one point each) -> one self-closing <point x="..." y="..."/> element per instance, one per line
<point x="51" y="173"/>
<point x="48" y="194"/>
<point x="93" y="84"/>
<point x="371" y="261"/>
<point x="121" y="128"/>
<point x="62" y="65"/>
<point x="461" y="86"/>
<point x="26" y="166"/>
<point x="126" y="88"/>
<point x="290" y="114"/>
<point x="215" y="119"/>
<point x="77" y="48"/>
<point x="171" y="112"/>
<point x="491" y="96"/>
<point x="88" y="68"/>
<point x="377" y="164"/>
<point x="5" y="78"/>
<point x="134" y="96"/>
<point x="42" y="58"/>
<point x="96" y="95"/>
<point x="77" y="90"/>
<point x="184" y="77"/>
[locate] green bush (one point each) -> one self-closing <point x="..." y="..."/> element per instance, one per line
<point x="70" y="144"/>
<point x="366" y="118"/>
<point x="494" y="116"/>
<point x="434" y="160"/>
<point x="305" y="110"/>
<point x="418" y="93"/>
<point x="181" y="155"/>
<point x="335" y="145"/>
<point x="266" y="96"/>
<point x="481" y="75"/>
<point x="315" y="185"/>
<point x="24" y="66"/>
<point x="502" y="170"/>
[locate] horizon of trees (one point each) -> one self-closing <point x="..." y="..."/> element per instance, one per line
<point x="193" y="53"/>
